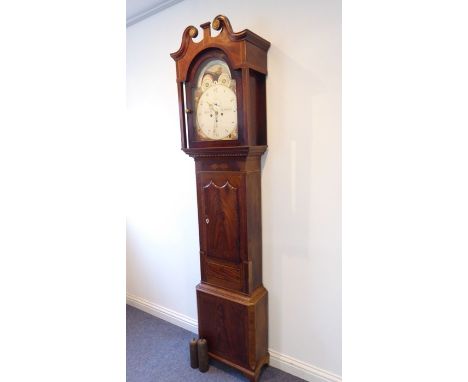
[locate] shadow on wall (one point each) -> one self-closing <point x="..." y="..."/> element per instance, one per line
<point x="287" y="180"/>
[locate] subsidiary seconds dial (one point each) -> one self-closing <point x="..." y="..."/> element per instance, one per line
<point x="217" y="112"/>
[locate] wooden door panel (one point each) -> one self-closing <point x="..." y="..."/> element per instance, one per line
<point x="221" y="217"/>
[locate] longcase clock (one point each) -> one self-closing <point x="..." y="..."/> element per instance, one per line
<point x="222" y="101"/>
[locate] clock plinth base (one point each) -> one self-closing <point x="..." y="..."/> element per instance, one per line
<point x="251" y="375"/>
<point x="235" y="326"/>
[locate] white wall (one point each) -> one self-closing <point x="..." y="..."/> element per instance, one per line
<point x="301" y="177"/>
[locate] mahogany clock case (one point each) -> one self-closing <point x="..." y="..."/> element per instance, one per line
<point x="231" y="299"/>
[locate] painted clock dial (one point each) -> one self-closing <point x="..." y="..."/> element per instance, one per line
<point x="215" y="102"/>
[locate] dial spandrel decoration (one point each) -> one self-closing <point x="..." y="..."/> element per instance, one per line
<point x="215" y="101"/>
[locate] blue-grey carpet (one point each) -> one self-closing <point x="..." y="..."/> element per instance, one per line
<point x="158" y="351"/>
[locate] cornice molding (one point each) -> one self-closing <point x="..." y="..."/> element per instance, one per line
<point x="150" y="12"/>
<point x="225" y="151"/>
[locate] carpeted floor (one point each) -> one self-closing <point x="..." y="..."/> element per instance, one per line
<point x="157" y="351"/>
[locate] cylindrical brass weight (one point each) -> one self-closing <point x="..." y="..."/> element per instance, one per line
<point x="203" y="365"/>
<point x="193" y="354"/>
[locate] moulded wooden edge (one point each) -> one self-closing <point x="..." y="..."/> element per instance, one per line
<point x="251" y="375"/>
<point x="234" y="296"/>
<point x="189" y="33"/>
<point x="229" y="151"/>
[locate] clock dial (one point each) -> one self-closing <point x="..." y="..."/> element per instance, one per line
<point x="215" y="103"/>
<point x="217" y="113"/>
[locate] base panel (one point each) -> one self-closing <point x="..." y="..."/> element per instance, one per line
<point x="235" y="327"/>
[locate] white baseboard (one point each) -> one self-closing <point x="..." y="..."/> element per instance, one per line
<point x="163" y="313"/>
<point x="301" y="369"/>
<point x="283" y="362"/>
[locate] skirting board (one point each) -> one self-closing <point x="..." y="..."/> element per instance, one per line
<point x="283" y="362"/>
<point x="163" y="313"/>
<point x="301" y="369"/>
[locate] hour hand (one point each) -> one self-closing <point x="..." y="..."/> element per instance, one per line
<point x="212" y="108"/>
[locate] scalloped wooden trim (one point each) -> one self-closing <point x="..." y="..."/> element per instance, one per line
<point x="227" y="184"/>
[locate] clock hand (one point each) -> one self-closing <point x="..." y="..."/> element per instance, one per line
<point x="212" y="107"/>
<point x="212" y="110"/>
<point x="216" y="120"/>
